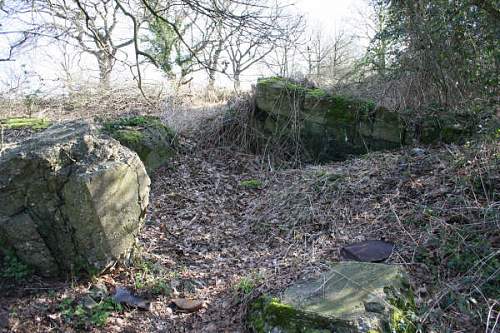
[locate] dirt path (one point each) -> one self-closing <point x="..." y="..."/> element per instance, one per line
<point x="198" y="231"/>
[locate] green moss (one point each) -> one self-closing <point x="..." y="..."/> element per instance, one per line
<point x="251" y="183"/>
<point x="128" y="136"/>
<point x="111" y="126"/>
<point x="29" y="123"/>
<point x="270" y="80"/>
<point x="268" y="313"/>
<point x="403" y="309"/>
<point x="316" y="92"/>
<point x="347" y="111"/>
<point x="295" y="87"/>
<point x="287" y="84"/>
<point x="146" y="135"/>
<point x="342" y="110"/>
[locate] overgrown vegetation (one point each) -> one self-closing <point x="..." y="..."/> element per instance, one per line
<point x="437" y="54"/>
<point x="13" y="268"/>
<point x="434" y="62"/>
<point x="444" y="202"/>
<point x="82" y="316"/>
<point x="152" y="278"/>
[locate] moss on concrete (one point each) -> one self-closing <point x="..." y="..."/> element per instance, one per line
<point x="334" y="127"/>
<point x="36" y="124"/>
<point x="128" y="136"/>
<point x="292" y="86"/>
<point x="316" y="92"/>
<point x="403" y="309"/>
<point x="136" y="122"/>
<point x="146" y="135"/>
<point x="334" y="302"/>
<point x="269" y="315"/>
<point x="270" y="80"/>
<point x="331" y="127"/>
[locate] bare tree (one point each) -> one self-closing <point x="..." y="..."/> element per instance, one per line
<point x="19" y="29"/>
<point x="213" y="52"/>
<point x="91" y="26"/>
<point x="287" y="47"/>
<point x="340" y="56"/>
<point x="370" y="22"/>
<point x="247" y="47"/>
<point x="251" y="23"/>
<point x="244" y="51"/>
<point x="327" y="54"/>
<point x="318" y="50"/>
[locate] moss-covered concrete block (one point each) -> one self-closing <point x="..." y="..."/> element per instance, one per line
<point x="331" y="127"/>
<point x="146" y="135"/>
<point x="71" y="199"/>
<point x="353" y="297"/>
<point x="445" y="127"/>
<point x="269" y="314"/>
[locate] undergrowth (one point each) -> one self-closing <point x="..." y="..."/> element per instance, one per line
<point x="150" y="277"/>
<point x="81" y="316"/>
<point x="441" y="208"/>
<point x="13" y="268"/>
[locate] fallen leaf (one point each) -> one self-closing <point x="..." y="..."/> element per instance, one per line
<point x="187" y="305"/>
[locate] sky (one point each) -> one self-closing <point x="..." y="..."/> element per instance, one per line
<point x="327" y="15"/>
<point x="330" y="14"/>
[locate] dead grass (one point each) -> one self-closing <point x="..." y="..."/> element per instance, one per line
<point x="90" y="102"/>
<point x="84" y="104"/>
<point x="238" y="127"/>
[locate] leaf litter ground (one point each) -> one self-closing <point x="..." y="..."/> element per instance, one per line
<point x="212" y="244"/>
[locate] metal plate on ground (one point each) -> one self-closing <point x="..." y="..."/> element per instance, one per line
<point x="367" y="251"/>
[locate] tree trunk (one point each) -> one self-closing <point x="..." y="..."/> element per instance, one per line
<point x="105" y="67"/>
<point x="211" y="81"/>
<point x="284" y="66"/>
<point x="237" y="82"/>
<point x="214" y="63"/>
